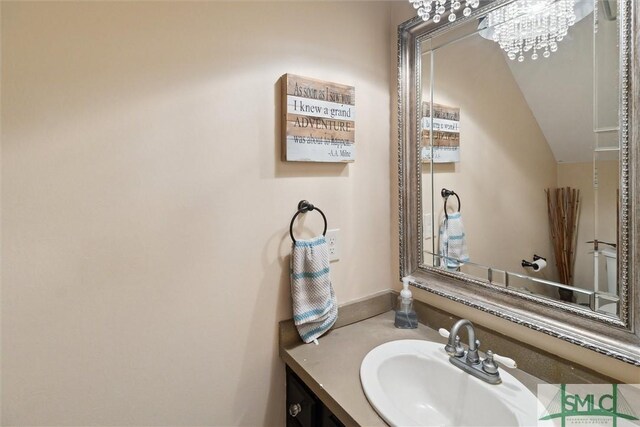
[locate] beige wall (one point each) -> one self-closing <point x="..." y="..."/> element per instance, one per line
<point x="505" y="161"/>
<point x="580" y="176"/>
<point x="145" y="209"/>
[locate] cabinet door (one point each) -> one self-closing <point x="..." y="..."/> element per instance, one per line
<point x="330" y="420"/>
<point x="303" y="407"/>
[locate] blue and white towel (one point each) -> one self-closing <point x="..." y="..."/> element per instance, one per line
<point x="453" y="242"/>
<point x="315" y="308"/>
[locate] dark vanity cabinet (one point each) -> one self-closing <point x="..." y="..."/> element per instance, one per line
<point x="305" y="409"/>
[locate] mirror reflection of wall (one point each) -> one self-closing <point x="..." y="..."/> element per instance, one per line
<point x="525" y="127"/>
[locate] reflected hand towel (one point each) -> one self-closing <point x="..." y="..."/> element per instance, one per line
<point x="453" y="242"/>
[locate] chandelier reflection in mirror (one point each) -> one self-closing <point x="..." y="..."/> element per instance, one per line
<point x="531" y="26"/>
<point x="435" y="9"/>
<point x="523" y="27"/>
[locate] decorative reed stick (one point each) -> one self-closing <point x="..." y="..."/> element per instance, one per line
<point x="563" y="208"/>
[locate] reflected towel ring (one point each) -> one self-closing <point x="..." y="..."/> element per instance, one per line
<point x="303" y="207"/>
<point x="446" y="193"/>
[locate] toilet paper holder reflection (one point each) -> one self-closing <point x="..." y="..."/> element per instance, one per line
<point x="538" y="263"/>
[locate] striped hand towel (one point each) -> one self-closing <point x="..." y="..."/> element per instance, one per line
<point x="453" y="242"/>
<point x="315" y="308"/>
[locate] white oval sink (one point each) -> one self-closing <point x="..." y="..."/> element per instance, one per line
<point x="412" y="383"/>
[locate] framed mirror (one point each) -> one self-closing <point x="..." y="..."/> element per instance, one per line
<point x="518" y="160"/>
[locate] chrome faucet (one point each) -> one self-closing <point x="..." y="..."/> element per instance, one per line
<point x="453" y="347"/>
<point x="469" y="361"/>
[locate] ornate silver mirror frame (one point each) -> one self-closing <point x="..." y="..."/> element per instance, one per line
<point x="614" y="337"/>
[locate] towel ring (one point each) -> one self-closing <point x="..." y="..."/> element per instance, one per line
<point x="303" y="207"/>
<point x="446" y="193"/>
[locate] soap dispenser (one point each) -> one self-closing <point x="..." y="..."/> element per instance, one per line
<point x="406" y="317"/>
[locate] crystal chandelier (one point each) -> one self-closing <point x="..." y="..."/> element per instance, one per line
<point x="434" y="9"/>
<point x="531" y="26"/>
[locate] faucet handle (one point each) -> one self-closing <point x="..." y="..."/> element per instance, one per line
<point x="506" y="361"/>
<point x="459" y="349"/>
<point x="456" y="350"/>
<point x="489" y="365"/>
<point x="491" y="356"/>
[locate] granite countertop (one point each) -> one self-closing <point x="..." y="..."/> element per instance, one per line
<point x="332" y="369"/>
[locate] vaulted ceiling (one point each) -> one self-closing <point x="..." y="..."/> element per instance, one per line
<point x="560" y="90"/>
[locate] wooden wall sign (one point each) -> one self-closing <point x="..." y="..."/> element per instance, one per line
<point x="318" y="120"/>
<point x="446" y="133"/>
